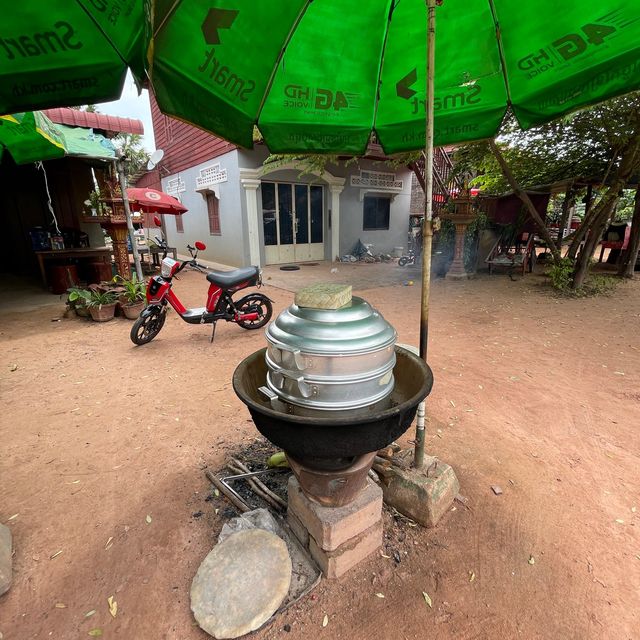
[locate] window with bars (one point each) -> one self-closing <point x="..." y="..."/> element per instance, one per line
<point x="179" y="227"/>
<point x="376" y="213"/>
<point x="213" y="209"/>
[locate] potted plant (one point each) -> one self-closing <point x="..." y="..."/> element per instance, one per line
<point x="102" y="305"/>
<point x="94" y="202"/>
<point x="77" y="300"/>
<point x="132" y="296"/>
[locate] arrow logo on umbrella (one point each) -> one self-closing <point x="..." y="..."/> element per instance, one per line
<point x="403" y="87"/>
<point x="217" y="19"/>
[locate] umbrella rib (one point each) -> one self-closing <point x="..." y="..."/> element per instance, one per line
<point x="500" y="50"/>
<point x="283" y="49"/>
<point x="393" y="5"/>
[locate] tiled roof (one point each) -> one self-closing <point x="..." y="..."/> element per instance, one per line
<point x="111" y="124"/>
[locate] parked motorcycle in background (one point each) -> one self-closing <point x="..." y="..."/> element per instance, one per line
<point x="250" y="312"/>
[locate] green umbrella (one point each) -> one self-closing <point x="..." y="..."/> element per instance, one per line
<point x="30" y="137"/>
<point x="69" y="52"/>
<point x="321" y="75"/>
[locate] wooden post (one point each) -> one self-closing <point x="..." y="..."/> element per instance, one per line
<point x="427" y="226"/>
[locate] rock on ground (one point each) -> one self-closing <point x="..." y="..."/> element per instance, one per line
<point x="5" y="559"/>
<point x="241" y="583"/>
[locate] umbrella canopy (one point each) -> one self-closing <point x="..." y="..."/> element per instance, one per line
<point x="30" y="137"/>
<point x="152" y="201"/>
<point x="322" y="75"/>
<point x="62" y="53"/>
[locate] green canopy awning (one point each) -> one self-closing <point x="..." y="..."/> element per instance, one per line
<point x="85" y="143"/>
<point x="30" y="137"/>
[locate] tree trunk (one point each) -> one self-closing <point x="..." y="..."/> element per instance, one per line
<point x="603" y="212"/>
<point x="630" y="255"/>
<point x="544" y="232"/>
<point x="567" y="204"/>
<point x="628" y="165"/>
<point x="580" y="233"/>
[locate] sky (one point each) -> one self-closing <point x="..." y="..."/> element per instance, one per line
<point x="132" y="105"/>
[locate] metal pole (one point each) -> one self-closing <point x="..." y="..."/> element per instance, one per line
<point x="427" y="228"/>
<point x="127" y="213"/>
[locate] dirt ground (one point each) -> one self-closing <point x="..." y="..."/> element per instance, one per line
<point x="104" y="446"/>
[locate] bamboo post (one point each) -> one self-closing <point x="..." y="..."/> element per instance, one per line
<point x="127" y="213"/>
<point x="427" y="227"/>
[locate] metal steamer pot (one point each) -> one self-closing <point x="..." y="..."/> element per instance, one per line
<point x="330" y="359"/>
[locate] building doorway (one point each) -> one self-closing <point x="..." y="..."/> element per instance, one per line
<point x="293" y="222"/>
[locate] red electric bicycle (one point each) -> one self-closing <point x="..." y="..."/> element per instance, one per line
<point x="251" y="312"/>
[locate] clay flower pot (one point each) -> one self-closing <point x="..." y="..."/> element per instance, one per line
<point x="132" y="311"/>
<point x="103" y="312"/>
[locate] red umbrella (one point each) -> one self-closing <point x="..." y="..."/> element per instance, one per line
<point x="152" y="201"/>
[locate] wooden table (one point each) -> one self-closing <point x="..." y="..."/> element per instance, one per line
<point x="58" y="254"/>
<point x="156" y="252"/>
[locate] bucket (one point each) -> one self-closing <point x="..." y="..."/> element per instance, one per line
<point x="398" y="252"/>
<point x="61" y="277"/>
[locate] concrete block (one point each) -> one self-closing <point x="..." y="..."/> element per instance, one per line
<point x="338" y="561"/>
<point x="424" y="495"/>
<point x="324" y="296"/>
<point x="298" y="529"/>
<point x="6" y="559"/>
<point x="332" y="526"/>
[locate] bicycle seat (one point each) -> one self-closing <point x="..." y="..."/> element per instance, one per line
<point x="228" y="279"/>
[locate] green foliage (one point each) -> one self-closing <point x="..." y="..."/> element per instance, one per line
<point x="99" y="298"/>
<point x="129" y="145"/>
<point x="561" y="275"/>
<point x="78" y="297"/>
<point x="595" y="284"/>
<point x="133" y="290"/>
<point x="586" y="144"/>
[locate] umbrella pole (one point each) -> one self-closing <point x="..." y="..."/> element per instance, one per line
<point x="127" y="213"/>
<point x="427" y="228"/>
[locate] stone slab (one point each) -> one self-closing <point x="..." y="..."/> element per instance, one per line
<point x="332" y="526"/>
<point x="337" y="562"/>
<point x="6" y="551"/>
<point x="241" y="583"/>
<point x="423" y="495"/>
<point x="324" y="296"/>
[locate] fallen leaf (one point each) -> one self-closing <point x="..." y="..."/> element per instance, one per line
<point x="13" y="517"/>
<point x="472" y="576"/>
<point x="531" y="560"/>
<point x="427" y="599"/>
<point x="95" y="633"/>
<point x="325" y="620"/>
<point x="55" y="555"/>
<point x="113" y="606"/>
<point x="89" y="613"/>
<point x="106" y="546"/>
<point x="148" y="519"/>
<point x="216" y="493"/>
<point x="61" y="605"/>
<point x="379" y="595"/>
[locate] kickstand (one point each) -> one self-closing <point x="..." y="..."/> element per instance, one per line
<point x="213" y="332"/>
